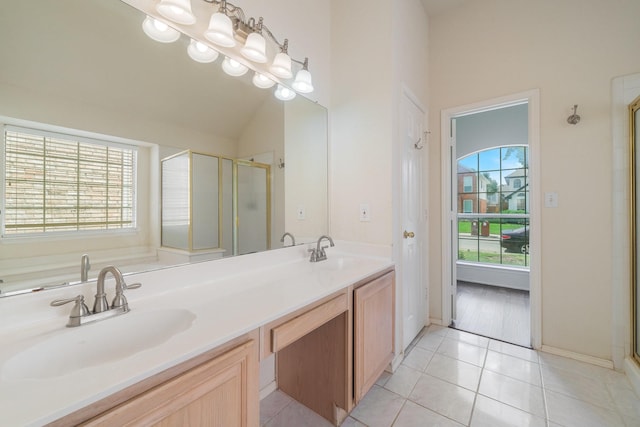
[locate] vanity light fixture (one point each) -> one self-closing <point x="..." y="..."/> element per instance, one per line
<point x="159" y="31"/>
<point x="281" y="66"/>
<point x="220" y="29"/>
<point x="302" y="82"/>
<point x="228" y="26"/>
<point x="262" y="81"/>
<point x="200" y="52"/>
<point x="233" y="67"/>
<point x="283" y="93"/>
<point x="255" y="48"/>
<point x="177" y="10"/>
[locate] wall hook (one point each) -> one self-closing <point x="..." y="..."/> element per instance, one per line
<point x="419" y="145"/>
<point x="280" y="163"/>
<point x="574" y="119"/>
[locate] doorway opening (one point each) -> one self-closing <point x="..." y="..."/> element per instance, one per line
<point x="491" y="238"/>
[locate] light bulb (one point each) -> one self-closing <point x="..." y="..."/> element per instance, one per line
<point x="284" y="93"/>
<point x="200" y="52"/>
<point x="159" y="31"/>
<point x="233" y="67"/>
<point x="262" y="81"/>
<point x="220" y="30"/>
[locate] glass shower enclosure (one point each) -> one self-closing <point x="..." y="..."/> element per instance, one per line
<point x="215" y="204"/>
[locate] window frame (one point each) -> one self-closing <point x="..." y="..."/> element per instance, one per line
<point x="519" y="197"/>
<point x="70" y="135"/>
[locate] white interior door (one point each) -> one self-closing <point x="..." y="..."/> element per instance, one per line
<point x="413" y="286"/>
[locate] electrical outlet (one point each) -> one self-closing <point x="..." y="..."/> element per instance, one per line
<point x="301" y="213"/>
<point x="365" y="215"/>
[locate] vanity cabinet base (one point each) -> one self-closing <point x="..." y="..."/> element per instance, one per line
<point x="218" y="388"/>
<point x="314" y="370"/>
<point x="373" y="330"/>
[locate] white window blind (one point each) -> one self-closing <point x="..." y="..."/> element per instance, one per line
<point x="57" y="183"/>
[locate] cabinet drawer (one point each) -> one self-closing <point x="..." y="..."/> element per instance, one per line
<point x="290" y="331"/>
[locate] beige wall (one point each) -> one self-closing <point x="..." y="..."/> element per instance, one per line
<point x="570" y="50"/>
<point x="370" y="69"/>
<point x="361" y="112"/>
<point x="306" y="163"/>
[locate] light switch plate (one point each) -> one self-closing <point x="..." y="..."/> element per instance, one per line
<point x="551" y="199"/>
<point x="365" y="215"/>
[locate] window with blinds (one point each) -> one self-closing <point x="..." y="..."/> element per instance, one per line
<point x="60" y="183"/>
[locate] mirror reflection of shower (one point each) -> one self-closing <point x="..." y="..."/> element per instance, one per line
<point x="214" y="207"/>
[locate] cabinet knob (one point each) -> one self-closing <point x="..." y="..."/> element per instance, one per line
<point x="409" y="234"/>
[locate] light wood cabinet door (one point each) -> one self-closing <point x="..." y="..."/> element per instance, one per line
<point x="374" y="318"/>
<point x="222" y="392"/>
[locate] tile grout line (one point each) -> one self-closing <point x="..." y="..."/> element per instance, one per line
<point x="475" y="397"/>
<point x="544" y="392"/>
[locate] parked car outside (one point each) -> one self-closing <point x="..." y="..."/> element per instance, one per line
<point x="516" y="240"/>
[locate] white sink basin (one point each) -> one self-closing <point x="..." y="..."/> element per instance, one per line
<point x="336" y="263"/>
<point x="98" y="343"/>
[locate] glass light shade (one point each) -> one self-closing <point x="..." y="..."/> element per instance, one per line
<point x="281" y="66"/>
<point x="284" y="93"/>
<point x="302" y="83"/>
<point x="233" y="67"/>
<point x="255" y="48"/>
<point x="177" y="11"/>
<point x="200" y="52"/>
<point x="262" y="81"/>
<point x="220" y="30"/>
<point x="159" y="31"/>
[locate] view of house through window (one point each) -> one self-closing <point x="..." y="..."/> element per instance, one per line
<point x="493" y="206"/>
<point x="56" y="183"/>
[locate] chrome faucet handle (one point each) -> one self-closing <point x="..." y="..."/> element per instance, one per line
<point x="79" y="310"/>
<point x="120" y="300"/>
<point x="131" y="286"/>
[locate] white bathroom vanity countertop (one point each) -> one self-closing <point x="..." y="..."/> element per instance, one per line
<point x="217" y="301"/>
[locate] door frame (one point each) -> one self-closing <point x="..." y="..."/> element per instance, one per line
<point x="532" y="97"/>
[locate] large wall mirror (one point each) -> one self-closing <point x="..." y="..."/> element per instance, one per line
<point x="634" y="132"/>
<point x="85" y="67"/>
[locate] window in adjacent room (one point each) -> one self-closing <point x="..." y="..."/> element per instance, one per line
<point x="497" y="231"/>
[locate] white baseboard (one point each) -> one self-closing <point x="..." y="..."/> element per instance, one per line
<point x="578" y="356"/>
<point x="632" y="370"/>
<point x="268" y="389"/>
<point x="438" y="322"/>
<point x="397" y="360"/>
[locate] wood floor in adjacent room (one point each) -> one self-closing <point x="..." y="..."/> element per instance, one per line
<point x="494" y="312"/>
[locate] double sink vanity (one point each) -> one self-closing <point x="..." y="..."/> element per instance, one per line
<point x="192" y="344"/>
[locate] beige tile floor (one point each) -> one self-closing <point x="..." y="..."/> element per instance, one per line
<point x="453" y="378"/>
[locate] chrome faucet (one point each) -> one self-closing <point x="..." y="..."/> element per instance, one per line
<point x="293" y="239"/>
<point x="318" y="254"/>
<point x="85" y="266"/>
<point x="80" y="313"/>
<point x="100" y="304"/>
